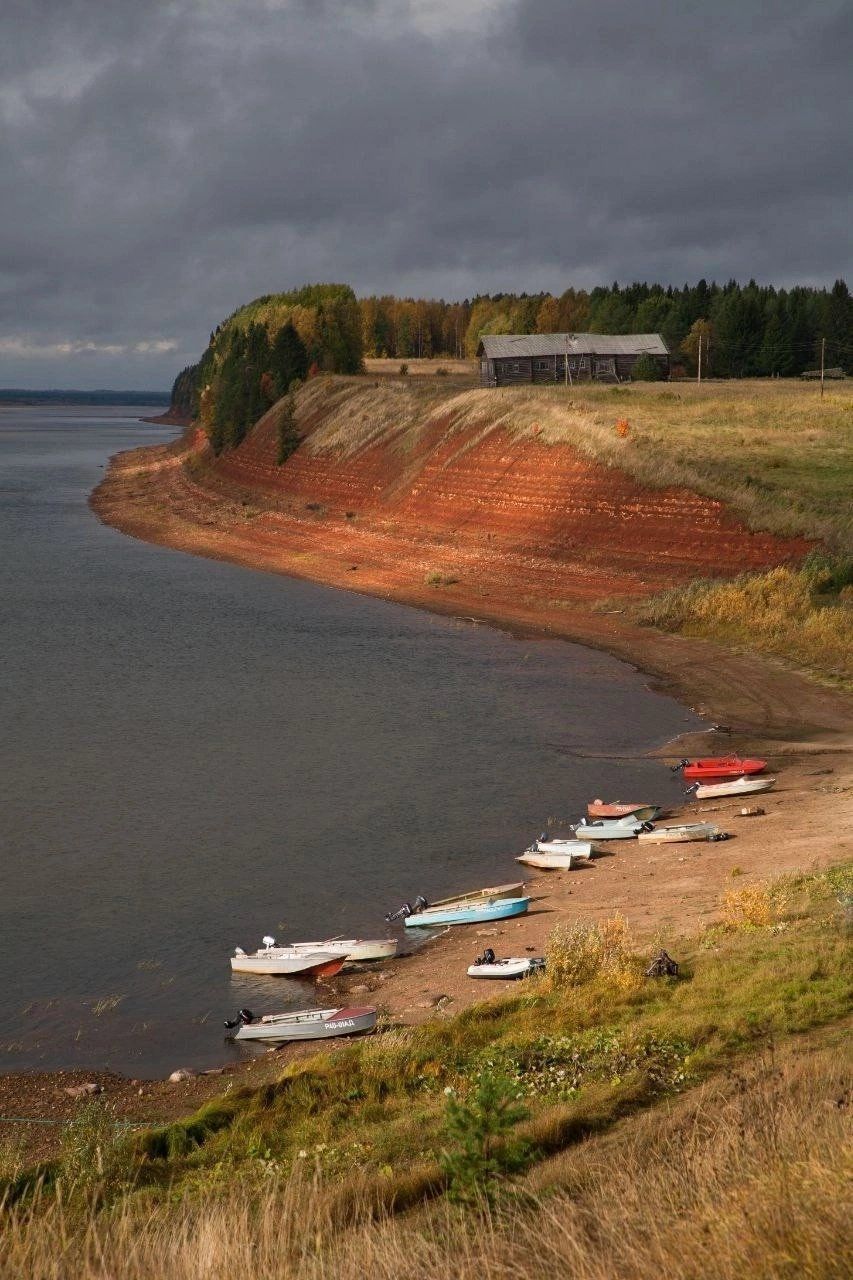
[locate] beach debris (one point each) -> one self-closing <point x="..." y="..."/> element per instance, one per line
<point x="78" y="1091"/>
<point x="182" y="1073"/>
<point x="752" y="811"/>
<point x="663" y="966"/>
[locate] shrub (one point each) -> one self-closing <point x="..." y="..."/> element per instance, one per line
<point x="481" y="1150"/>
<point x="441" y="372"/>
<point x="288" y="436"/>
<point x="404" y="369"/>
<point x="577" y="953"/>
<point x="646" y="369"/>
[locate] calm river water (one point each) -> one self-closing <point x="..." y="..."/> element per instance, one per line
<point x="194" y="754"/>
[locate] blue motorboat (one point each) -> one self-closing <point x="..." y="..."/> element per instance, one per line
<point x="467" y="912"/>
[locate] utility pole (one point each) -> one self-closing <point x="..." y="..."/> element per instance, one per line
<point x="699" y="366"/>
<point x="822" y="362"/>
<point x="566" y="370"/>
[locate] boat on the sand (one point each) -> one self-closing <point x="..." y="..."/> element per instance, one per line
<point x="710" y="767"/>
<point x="287" y="961"/>
<point x="553" y="855"/>
<point x="513" y="890"/>
<point x="610" y="828"/>
<point x="304" y="1024"/>
<point x="352" y="949"/>
<point x="488" y="966"/>
<point x="642" y="812"/>
<point x="743" y="786"/>
<point x="466" y="912"/>
<point x="682" y="832"/>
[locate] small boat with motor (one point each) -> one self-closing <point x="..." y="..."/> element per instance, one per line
<point x="683" y="832"/>
<point x="513" y="890"/>
<point x="610" y="828"/>
<point x="304" y="1024"/>
<point x="743" y="786"/>
<point x="427" y="916"/>
<point x="642" y="812"/>
<point x="287" y="961"/>
<point x="553" y="855"/>
<point x="353" y="950"/>
<point x="712" y="767"/>
<point x="488" y="966"/>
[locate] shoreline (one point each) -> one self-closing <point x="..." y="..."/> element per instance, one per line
<point x="664" y="891"/>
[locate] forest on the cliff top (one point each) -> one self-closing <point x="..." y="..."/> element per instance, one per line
<point x="748" y="330"/>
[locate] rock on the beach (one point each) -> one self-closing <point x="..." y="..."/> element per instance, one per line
<point x="182" y="1073"/>
<point x="435" y="1002"/>
<point x="77" y="1091"/>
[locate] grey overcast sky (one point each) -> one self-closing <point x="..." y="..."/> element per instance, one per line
<point x="163" y="162"/>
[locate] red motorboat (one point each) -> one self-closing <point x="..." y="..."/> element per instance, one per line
<point x="642" y="812"/>
<point x="720" y="767"/>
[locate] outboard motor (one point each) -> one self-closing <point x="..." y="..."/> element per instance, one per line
<point x="400" y="914"/>
<point x="488" y="957"/>
<point x="688" y="791"/>
<point x="675" y="767"/>
<point x="421" y="903"/>
<point x="647" y="826"/>
<point x="244" y="1017"/>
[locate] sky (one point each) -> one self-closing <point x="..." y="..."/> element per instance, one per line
<point x="163" y="162"/>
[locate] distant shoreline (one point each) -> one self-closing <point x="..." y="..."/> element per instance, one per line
<point x="17" y="397"/>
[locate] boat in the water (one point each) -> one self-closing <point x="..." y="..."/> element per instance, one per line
<point x="610" y="828"/>
<point x="291" y="962"/>
<point x="488" y="966"/>
<point x="642" y="812"/>
<point x="553" y="855"/>
<point x="352" y="949"/>
<point x="710" y="767"/>
<point x="304" y="1024"/>
<point x="743" y="786"/>
<point x="466" y="912"/>
<point x="681" y="833"/>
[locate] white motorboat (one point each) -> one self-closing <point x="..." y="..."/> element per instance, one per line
<point x="352" y="949"/>
<point x="683" y="832"/>
<point x="287" y="961"/>
<point x="744" y="786"/>
<point x="488" y="966"/>
<point x="624" y="828"/>
<point x="552" y="855"/>
<point x="306" y="1024"/>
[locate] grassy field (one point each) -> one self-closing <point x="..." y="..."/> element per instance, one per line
<point x="309" y="1176"/>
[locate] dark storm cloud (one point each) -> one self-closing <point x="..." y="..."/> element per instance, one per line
<point x="163" y="162"/>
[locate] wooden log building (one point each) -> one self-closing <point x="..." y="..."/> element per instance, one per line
<point x="541" y="357"/>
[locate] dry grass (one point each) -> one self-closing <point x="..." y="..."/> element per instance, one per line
<point x="748" y="1176"/>
<point x="579" y="952"/>
<point x="779" y="613"/>
<point x="776" y="452"/>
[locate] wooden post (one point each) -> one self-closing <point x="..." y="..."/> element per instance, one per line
<point x="822" y="361"/>
<point x="566" y="372"/>
<point x="699" y="366"/>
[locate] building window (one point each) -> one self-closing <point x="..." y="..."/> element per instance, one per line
<point x="515" y="367"/>
<point x="543" y="366"/>
<point x="583" y="362"/>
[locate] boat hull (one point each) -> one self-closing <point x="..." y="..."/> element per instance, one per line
<point x="680" y="834"/>
<point x="510" y="969"/>
<point x="722" y="767"/>
<point x="283" y="1028"/>
<point x="642" y="812"/>
<point x="515" y="890"/>
<point x="743" y="786"/>
<point x="316" y="964"/>
<point x="583" y="849"/>
<point x="353" y="949"/>
<point x="470" y="913"/>
<point x="548" y="861"/>
<point x="608" y="829"/>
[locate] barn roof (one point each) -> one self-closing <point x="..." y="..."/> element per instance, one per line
<point x="505" y="345"/>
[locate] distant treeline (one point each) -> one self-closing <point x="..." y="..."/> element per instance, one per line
<point x="20" y="395"/>
<point x="747" y="330"/>
<point x="744" y="330"/>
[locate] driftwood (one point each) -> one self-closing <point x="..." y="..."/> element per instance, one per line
<point x="663" y="966"/>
